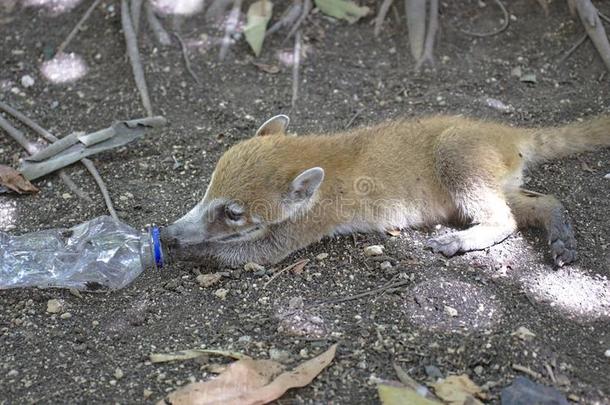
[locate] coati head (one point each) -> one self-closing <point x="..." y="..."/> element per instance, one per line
<point x="257" y="183"/>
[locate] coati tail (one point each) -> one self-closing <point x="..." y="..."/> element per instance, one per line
<point x="555" y="142"/>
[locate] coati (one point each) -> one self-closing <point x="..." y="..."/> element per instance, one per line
<point x="275" y="193"/>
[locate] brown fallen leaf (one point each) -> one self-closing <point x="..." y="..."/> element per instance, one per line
<point x="585" y="166"/>
<point x="394" y="394"/>
<point x="458" y="390"/>
<point x="248" y="382"/>
<point x="267" y="68"/>
<point x="394" y="232"/>
<point x="13" y="180"/>
<point x="298" y="267"/>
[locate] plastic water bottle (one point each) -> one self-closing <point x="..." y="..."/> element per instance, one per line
<point x="99" y="254"/>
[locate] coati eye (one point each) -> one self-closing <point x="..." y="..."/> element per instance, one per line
<point x="233" y="213"/>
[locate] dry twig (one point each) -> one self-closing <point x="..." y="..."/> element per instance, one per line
<point x="590" y="18"/>
<point x="302" y="262"/>
<point x="230" y="27"/>
<point x="288" y="18"/>
<point x="185" y="57"/>
<point x="379" y="290"/>
<point x="78" y="26"/>
<point x="306" y="9"/>
<point x="383" y="11"/>
<point x="502" y="28"/>
<point x="574" y="47"/>
<point x="428" y="55"/>
<point x="155" y="25"/>
<point x="295" y="68"/>
<point x="136" y="10"/>
<point x="100" y="183"/>
<point x="527" y="370"/>
<point x="134" y="57"/>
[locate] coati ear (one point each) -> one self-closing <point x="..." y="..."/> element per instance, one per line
<point x="305" y="184"/>
<point x="273" y="126"/>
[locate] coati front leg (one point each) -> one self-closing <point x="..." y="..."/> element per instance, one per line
<point x="546" y="212"/>
<point x="468" y="169"/>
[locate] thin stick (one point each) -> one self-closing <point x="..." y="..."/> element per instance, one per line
<point x="65" y="177"/>
<point x="156" y="26"/>
<point x="379" y="290"/>
<point x="100" y="183"/>
<point x="290" y="16"/>
<point x="574" y="47"/>
<point x="383" y="11"/>
<point x="34" y="126"/>
<point x="134" y="57"/>
<point x="549" y="370"/>
<point x="603" y="16"/>
<point x="527" y="371"/>
<point x="230" y="26"/>
<point x="185" y="56"/>
<point x="18" y="136"/>
<point x="428" y="54"/>
<point x="285" y="269"/>
<point x="595" y="29"/>
<point x="295" y="68"/>
<point x="502" y="28"/>
<point x="351" y="121"/>
<point x="78" y="26"/>
<point x="136" y="10"/>
<point x="306" y="9"/>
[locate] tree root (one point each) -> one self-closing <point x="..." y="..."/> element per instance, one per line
<point x="77" y="27"/>
<point x="380" y="17"/>
<point x="156" y="26"/>
<point x="589" y="16"/>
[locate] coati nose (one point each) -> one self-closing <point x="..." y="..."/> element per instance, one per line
<point x="168" y="237"/>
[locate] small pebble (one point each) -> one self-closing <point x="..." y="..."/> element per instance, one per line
<point x="209" y="279"/>
<point x="66" y="315"/>
<point x="12" y="373"/>
<point x="451" y="311"/>
<point x="55" y="306"/>
<point x="221" y="293"/>
<point x="147" y="393"/>
<point x="385" y="265"/>
<point x="607" y="353"/>
<point x="27" y="81"/>
<point x="374" y="250"/>
<point x="304" y="353"/>
<point x="524" y="333"/>
<point x="251" y="266"/>
<point x="478" y="370"/>
<point x="95" y="323"/>
<point x="321" y="256"/>
<point x="118" y="373"/>
<point x="281" y="356"/>
<point x="66" y="196"/>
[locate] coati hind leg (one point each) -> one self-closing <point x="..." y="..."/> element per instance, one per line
<point x="469" y="168"/>
<point x="546" y="212"/>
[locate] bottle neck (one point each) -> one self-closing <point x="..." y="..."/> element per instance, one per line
<point x="151" y="250"/>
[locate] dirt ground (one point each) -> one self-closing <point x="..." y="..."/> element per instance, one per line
<point x="347" y="73"/>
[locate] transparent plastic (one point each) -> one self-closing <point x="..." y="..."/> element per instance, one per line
<point x="99" y="254"/>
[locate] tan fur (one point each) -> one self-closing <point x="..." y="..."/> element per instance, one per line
<point x="407" y="173"/>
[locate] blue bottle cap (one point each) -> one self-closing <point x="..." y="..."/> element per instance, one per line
<point x="156" y="246"/>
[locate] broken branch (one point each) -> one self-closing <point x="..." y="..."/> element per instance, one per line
<point x="134" y="57"/>
<point x="589" y="16"/>
<point x="185" y="57"/>
<point x="156" y="26"/>
<point x="77" y="27"/>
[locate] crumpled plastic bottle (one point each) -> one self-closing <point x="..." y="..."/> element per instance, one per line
<point x="99" y="254"/>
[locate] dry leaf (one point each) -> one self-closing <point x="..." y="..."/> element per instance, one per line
<point x="268" y="68"/>
<point x="194" y="353"/>
<point x="298" y="267"/>
<point x="585" y="166"/>
<point x="394" y="232"/>
<point x="13" y="180"/>
<point x="458" y="390"/>
<point x="258" y="16"/>
<point x="240" y="378"/>
<point x="247" y="382"/>
<point x="398" y="395"/>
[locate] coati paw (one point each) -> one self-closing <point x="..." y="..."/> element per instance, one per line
<point x="448" y="244"/>
<point x="562" y="242"/>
